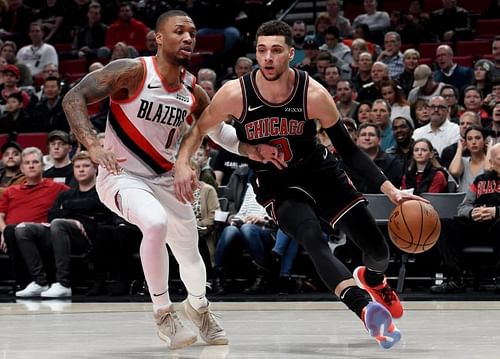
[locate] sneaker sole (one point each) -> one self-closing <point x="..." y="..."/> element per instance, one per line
<point x="378" y="321"/>
<point x="360" y="284"/>
<point x="184" y="344"/>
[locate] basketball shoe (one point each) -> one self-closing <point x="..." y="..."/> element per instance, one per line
<point x="210" y="330"/>
<point x="382" y="293"/>
<point x="172" y="330"/>
<point x="378" y="322"/>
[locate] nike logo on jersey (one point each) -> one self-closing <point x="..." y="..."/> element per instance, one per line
<point x="250" y="108"/>
<point x="159" y="295"/>
<point x="153" y="87"/>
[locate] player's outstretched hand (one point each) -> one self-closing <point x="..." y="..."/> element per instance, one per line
<point x="267" y="154"/>
<point x="185" y="180"/>
<point x="398" y="196"/>
<point x="106" y="159"/>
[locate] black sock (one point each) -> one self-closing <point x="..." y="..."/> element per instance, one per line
<point x="355" y="299"/>
<point x="373" y="278"/>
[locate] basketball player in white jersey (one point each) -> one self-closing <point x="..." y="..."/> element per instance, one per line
<point x="150" y="98"/>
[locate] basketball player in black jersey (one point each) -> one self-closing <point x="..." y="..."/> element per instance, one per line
<point x="303" y="185"/>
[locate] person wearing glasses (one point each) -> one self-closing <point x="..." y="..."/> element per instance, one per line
<point x="440" y="130"/>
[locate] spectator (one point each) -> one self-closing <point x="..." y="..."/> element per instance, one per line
<point x="393" y="94"/>
<point x="122" y="51"/>
<point x="449" y="72"/>
<point x="392" y="56"/>
<point x="424" y="86"/>
<point x="49" y="113"/>
<point x="467" y="119"/>
<point x="483" y="76"/>
<point x="126" y="29"/>
<point x="380" y="115"/>
<point x="463" y="168"/>
<point x="345" y="103"/>
<point x="52" y="70"/>
<point x="402" y="130"/>
<point x="377" y="21"/>
<point x="151" y="46"/>
<point x="369" y="141"/>
<point x="335" y="46"/>
<point x="51" y="16"/>
<point x="421" y="113"/>
<point x="424" y="174"/>
<point x="450" y="94"/>
<point x="321" y="23"/>
<point x="148" y="11"/>
<point x="439" y="131"/>
<point x="311" y="52"/>
<point x="363" y="75"/>
<point x="209" y="87"/>
<point x="225" y="163"/>
<point x="11" y="173"/>
<point x="8" y="52"/>
<point x="16" y="118"/>
<point x="16" y="23"/>
<point x="78" y="10"/>
<point x="74" y="218"/>
<point x="416" y="28"/>
<point x="332" y="77"/>
<point x="90" y="37"/>
<point x="342" y="23"/>
<point x="477" y="224"/>
<point x="38" y="54"/>
<point x="371" y="91"/>
<point x="363" y="113"/>
<point x="473" y="102"/>
<point x="451" y="23"/>
<point x="59" y="149"/>
<point x="242" y="66"/>
<point x="411" y="57"/>
<point x="358" y="46"/>
<point x="495" y="51"/>
<point x="11" y="78"/>
<point x="27" y="202"/>
<point x="299" y="35"/>
<point x="495" y="125"/>
<point x="206" y="74"/>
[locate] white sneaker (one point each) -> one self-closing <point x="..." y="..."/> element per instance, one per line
<point x="172" y="330"/>
<point x="57" y="290"/>
<point x="32" y="290"/>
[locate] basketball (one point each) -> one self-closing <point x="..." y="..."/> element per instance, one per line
<point x="414" y="226"/>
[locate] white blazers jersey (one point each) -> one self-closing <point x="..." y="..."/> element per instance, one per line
<point x="144" y="129"/>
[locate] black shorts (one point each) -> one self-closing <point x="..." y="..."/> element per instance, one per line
<point x="320" y="181"/>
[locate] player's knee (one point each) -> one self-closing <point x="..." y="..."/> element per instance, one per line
<point x="308" y="232"/>
<point x="154" y="229"/>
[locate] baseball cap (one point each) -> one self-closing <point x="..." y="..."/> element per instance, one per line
<point x="310" y="44"/>
<point x="421" y="75"/>
<point x="10" y="144"/>
<point x="13" y="69"/>
<point x="57" y="134"/>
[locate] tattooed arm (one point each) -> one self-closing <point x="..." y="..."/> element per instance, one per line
<point x="119" y="79"/>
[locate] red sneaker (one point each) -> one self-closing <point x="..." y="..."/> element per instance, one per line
<point x="382" y="293"/>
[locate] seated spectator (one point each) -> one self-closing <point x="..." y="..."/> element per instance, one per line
<point x="416" y="28"/>
<point x="74" y="218"/>
<point x="8" y="51"/>
<point x="495" y="51"/>
<point x="425" y="86"/>
<point x="345" y="103"/>
<point x="424" y="173"/>
<point x="450" y="94"/>
<point x="439" y="131"/>
<point x="411" y="57"/>
<point x="51" y="16"/>
<point x="363" y="112"/>
<point x="208" y="86"/>
<point x="336" y="47"/>
<point x="38" y="53"/>
<point x="473" y="101"/>
<point x="332" y="77"/>
<point x="126" y="29"/>
<point x="369" y="141"/>
<point x="311" y="52"/>
<point x="225" y="163"/>
<point x="10" y="86"/>
<point x="207" y="74"/>
<point x="494" y="127"/>
<point x="151" y="45"/>
<point x="380" y="115"/>
<point x="467" y="119"/>
<point x="464" y="168"/>
<point x="333" y="9"/>
<point x="122" y="51"/>
<point x="483" y="76"/>
<point x="421" y="113"/>
<point x="59" y="149"/>
<point x="392" y="56"/>
<point x="49" y="112"/>
<point x="377" y="21"/>
<point x="298" y="36"/>
<point x="16" y="22"/>
<point x="450" y="72"/>
<point x="16" y="118"/>
<point x="393" y="94"/>
<point x="363" y="74"/>
<point x="11" y="173"/>
<point x="371" y="91"/>
<point x="321" y="23"/>
<point x="402" y="129"/>
<point x="90" y="37"/>
<point x="451" y="23"/>
<point x="477" y="224"/>
<point x="29" y="201"/>
<point x="52" y="70"/>
<point x="242" y="66"/>
<point x="358" y="46"/>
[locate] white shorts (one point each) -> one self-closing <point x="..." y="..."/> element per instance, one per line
<point x="181" y="220"/>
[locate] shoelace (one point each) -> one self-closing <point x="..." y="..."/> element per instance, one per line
<point x="387" y="294"/>
<point x="208" y="322"/>
<point x="172" y="321"/>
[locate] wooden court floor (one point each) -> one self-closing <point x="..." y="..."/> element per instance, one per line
<point x="58" y="329"/>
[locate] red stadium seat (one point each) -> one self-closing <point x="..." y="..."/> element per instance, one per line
<point x="431" y="5"/>
<point x="68" y="67"/>
<point x="487" y="28"/>
<point x="35" y="139"/>
<point x="352" y="10"/>
<point x="210" y="43"/>
<point x="474" y="6"/>
<point x="475" y="48"/>
<point x="63" y="47"/>
<point x="428" y="49"/>
<point x="426" y="61"/>
<point x="464" y="60"/>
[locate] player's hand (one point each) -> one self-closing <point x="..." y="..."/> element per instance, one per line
<point x="107" y="159"/>
<point x="398" y="196"/>
<point x="267" y="154"/>
<point x="185" y="181"/>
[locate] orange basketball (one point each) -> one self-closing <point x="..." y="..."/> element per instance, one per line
<point x="414" y="226"/>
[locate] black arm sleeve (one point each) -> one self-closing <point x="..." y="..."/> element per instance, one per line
<point x="353" y="156"/>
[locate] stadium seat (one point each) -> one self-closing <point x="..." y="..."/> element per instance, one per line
<point x="428" y="49"/>
<point x="487" y="28"/>
<point x="36" y="139"/>
<point x="213" y="43"/>
<point x="474" y="6"/>
<point x="63" y="47"/>
<point x="426" y="61"/>
<point x="475" y="48"/>
<point x="464" y="60"/>
<point x="67" y="67"/>
<point x="431" y="5"/>
<point x="351" y="10"/>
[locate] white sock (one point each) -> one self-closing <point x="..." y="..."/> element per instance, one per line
<point x="197" y="302"/>
<point x="156" y="308"/>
